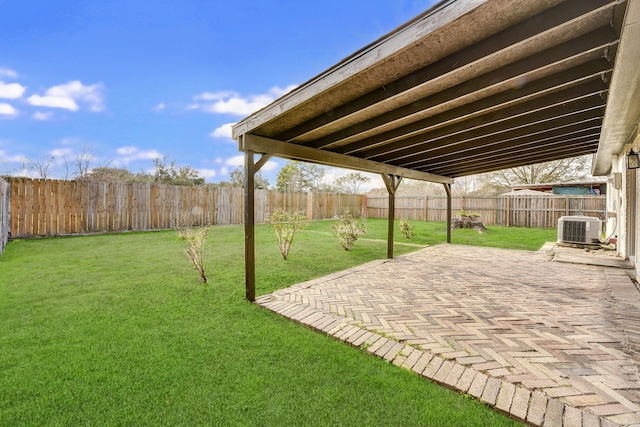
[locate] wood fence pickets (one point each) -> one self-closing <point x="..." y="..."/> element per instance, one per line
<point x="29" y="200"/>
<point x="5" y="194"/>
<point x="521" y="211"/>
<point x="51" y="207"/>
<point x="13" y="218"/>
<point x="35" y="214"/>
<point x="22" y="214"/>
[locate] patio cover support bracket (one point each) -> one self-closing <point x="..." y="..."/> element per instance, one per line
<point x="250" y="169"/>
<point x="447" y="188"/>
<point x="392" y="182"/>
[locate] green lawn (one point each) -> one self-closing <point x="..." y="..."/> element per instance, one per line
<point x="118" y="330"/>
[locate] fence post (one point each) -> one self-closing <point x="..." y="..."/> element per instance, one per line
<point x="309" y="206"/>
<point x="365" y="211"/>
<point x="5" y="197"/>
<point x="426" y="208"/>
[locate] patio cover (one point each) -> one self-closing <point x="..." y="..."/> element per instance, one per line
<point x="469" y="86"/>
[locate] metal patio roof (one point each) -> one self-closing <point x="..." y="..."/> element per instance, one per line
<point x="469" y="86"/>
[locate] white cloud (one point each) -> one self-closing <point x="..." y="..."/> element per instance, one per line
<point x="233" y="103"/>
<point x="132" y="153"/>
<point x="223" y="131"/>
<point x="11" y="90"/>
<point x="61" y="152"/>
<point x="160" y="107"/>
<point x="207" y="173"/>
<point x="125" y="151"/>
<point x="8" y="72"/>
<point x="7" y="110"/>
<point x="70" y="141"/>
<point x="67" y="96"/>
<point x="53" y="102"/>
<point x="17" y="158"/>
<point x="269" y="166"/>
<point x="41" y="115"/>
<point x="235" y="161"/>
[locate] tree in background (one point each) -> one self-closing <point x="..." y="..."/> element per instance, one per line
<point x="82" y="162"/>
<point x="107" y="174"/>
<point x="297" y="176"/>
<point x="58" y="167"/>
<point x="236" y="179"/>
<point x="351" y="182"/>
<point x="169" y="173"/>
<point x="563" y="170"/>
<point x="42" y="168"/>
<point x="411" y="187"/>
<point x="466" y="185"/>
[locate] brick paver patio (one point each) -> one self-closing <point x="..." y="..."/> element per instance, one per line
<point x="549" y="343"/>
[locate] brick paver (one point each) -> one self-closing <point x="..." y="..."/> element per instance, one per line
<point x="550" y="343"/>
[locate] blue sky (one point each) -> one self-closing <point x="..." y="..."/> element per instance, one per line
<point x="133" y="80"/>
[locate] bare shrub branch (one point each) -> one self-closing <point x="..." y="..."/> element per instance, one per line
<point x="197" y="251"/>
<point x="181" y="222"/>
<point x="348" y="230"/>
<point x="406" y="229"/>
<point x="285" y="227"/>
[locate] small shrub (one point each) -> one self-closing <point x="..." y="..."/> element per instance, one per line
<point x="470" y="215"/>
<point x="196" y="252"/>
<point x="286" y="226"/>
<point x="406" y="229"/>
<point x="181" y="222"/>
<point x="348" y="230"/>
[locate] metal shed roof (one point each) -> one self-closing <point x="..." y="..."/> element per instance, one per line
<point x="469" y="86"/>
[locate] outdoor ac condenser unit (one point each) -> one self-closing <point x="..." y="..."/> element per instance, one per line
<point x="579" y="229"/>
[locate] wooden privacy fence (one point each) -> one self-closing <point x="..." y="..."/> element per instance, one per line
<point x="520" y="211"/>
<point x="4" y="214"/>
<point x="34" y="207"/>
<point x="53" y="207"/>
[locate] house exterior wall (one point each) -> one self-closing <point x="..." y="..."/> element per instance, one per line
<point x="623" y="210"/>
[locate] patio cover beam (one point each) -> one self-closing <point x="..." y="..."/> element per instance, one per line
<point x="260" y="144"/>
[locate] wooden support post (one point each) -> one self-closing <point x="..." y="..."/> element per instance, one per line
<point x="391" y="221"/>
<point x="447" y="188"/>
<point x="391" y="182"/>
<point x="250" y="169"/>
<point x="249" y="227"/>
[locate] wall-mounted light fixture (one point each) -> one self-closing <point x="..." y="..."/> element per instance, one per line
<point x="633" y="160"/>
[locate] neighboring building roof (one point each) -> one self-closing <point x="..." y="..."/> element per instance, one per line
<point x="551" y="185"/>
<point x="526" y="193"/>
